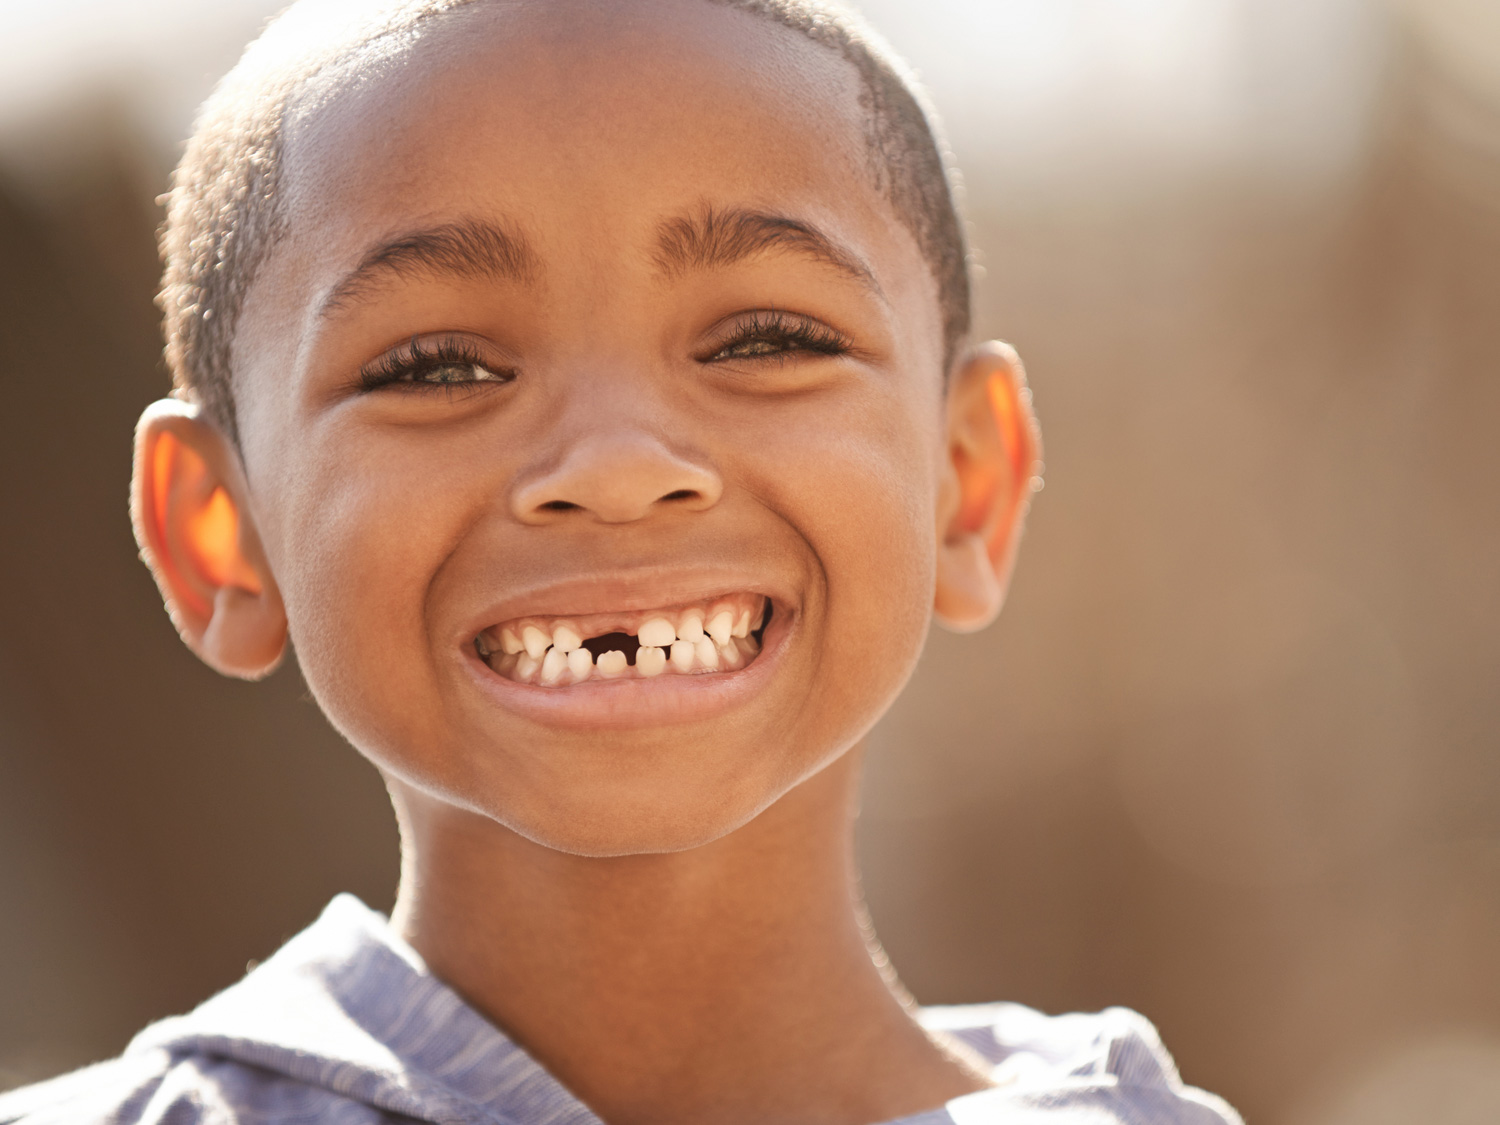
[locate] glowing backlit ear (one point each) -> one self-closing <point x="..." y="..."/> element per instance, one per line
<point x="188" y="506"/>
<point x="994" y="465"/>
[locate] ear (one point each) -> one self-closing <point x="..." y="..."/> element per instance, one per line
<point x="189" y="507"/>
<point x="994" y="465"/>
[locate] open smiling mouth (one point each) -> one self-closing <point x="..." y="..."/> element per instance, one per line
<point x="720" y="635"/>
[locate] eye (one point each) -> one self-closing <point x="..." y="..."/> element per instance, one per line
<point x="774" y="334"/>
<point x="448" y="363"/>
<point x="449" y="373"/>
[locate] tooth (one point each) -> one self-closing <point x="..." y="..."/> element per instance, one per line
<point x="690" y="628"/>
<point x="707" y="654"/>
<point x="482" y="646"/>
<point x="729" y="656"/>
<point x="527" y="667"/>
<point x="510" y="644"/>
<point x="657" y="633"/>
<point x="742" y="623"/>
<point x="612" y="663"/>
<point x="721" y="626"/>
<point x="504" y="664"/>
<point x="760" y="614"/>
<point x="581" y="664"/>
<point x="534" y="641"/>
<point x="650" y="661"/>
<point x="682" y="656"/>
<point x="565" y="638"/>
<point x="749" y="647"/>
<point x="553" y="666"/>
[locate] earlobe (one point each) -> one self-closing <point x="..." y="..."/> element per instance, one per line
<point x="993" y="466"/>
<point x="188" y="507"/>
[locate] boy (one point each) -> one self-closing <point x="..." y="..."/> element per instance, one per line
<point x="583" y="387"/>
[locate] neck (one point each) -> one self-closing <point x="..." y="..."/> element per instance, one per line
<point x="729" y="982"/>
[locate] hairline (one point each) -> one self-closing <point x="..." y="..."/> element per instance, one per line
<point x="288" y="93"/>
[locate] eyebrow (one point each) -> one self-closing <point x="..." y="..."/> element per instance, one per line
<point x="469" y="248"/>
<point x="714" y="239"/>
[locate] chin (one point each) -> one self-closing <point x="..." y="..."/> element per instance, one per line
<point x="617" y="825"/>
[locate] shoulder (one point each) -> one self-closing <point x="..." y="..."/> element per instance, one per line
<point x="1098" y="1066"/>
<point x="160" y="1088"/>
<point x="108" y="1091"/>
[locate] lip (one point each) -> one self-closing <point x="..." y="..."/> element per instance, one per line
<point x="633" y="591"/>
<point x="622" y="704"/>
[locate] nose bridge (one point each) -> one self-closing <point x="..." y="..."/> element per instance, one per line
<point x="614" y="460"/>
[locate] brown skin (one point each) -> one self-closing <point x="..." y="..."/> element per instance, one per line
<point x="662" y="911"/>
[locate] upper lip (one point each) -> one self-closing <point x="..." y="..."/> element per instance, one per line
<point x="632" y="591"/>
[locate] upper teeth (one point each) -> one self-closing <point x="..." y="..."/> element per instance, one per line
<point x="691" y="628"/>
<point x="552" y="653"/>
<point x="534" y="641"/>
<point x="657" y="633"/>
<point x="721" y="627"/>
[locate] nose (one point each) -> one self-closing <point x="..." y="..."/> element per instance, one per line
<point x="617" y="477"/>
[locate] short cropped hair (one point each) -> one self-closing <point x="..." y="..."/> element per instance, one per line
<point x="225" y="209"/>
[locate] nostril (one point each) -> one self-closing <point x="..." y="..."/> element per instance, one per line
<point x="559" y="506"/>
<point x="680" y="494"/>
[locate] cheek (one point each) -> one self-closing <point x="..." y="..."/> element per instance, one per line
<point x="356" y="555"/>
<point x="856" y="481"/>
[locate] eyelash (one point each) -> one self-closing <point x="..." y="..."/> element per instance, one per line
<point x="787" y="332"/>
<point x="417" y="358"/>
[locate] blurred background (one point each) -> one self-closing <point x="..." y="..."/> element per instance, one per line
<point x="1232" y="755"/>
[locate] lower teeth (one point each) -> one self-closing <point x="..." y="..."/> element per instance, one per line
<point x="557" y="669"/>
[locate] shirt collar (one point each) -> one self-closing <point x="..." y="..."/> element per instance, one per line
<point x="348" y="1006"/>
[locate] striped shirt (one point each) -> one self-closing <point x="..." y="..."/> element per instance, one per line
<point x="345" y="1026"/>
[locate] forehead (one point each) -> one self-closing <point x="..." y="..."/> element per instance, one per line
<point x="585" y="120"/>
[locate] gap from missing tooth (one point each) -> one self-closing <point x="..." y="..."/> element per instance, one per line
<point x="611" y="642"/>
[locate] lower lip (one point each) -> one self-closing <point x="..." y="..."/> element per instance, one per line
<point x="663" y="700"/>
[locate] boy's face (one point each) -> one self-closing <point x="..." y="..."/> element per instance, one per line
<point x="616" y="407"/>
